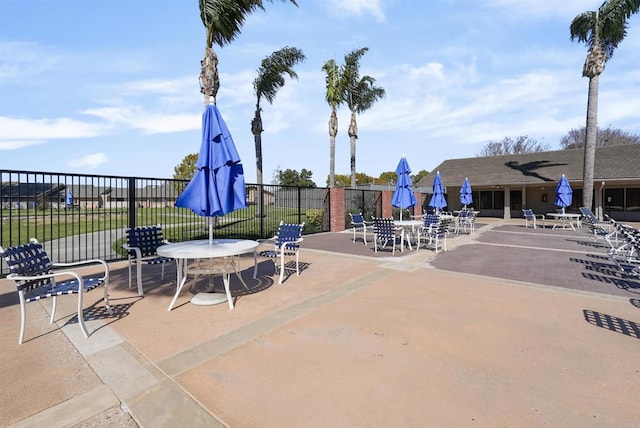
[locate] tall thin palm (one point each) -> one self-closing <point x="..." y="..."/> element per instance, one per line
<point x="223" y="20"/>
<point x="266" y="85"/>
<point x="335" y="96"/>
<point x="601" y="31"/>
<point x="360" y="94"/>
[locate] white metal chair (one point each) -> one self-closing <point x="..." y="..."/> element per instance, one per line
<point x="36" y="278"/>
<point x="384" y="231"/>
<point x="287" y="243"/>
<point x="530" y="217"/>
<point x="142" y="247"/>
<point x="358" y="223"/>
<point x="436" y="233"/>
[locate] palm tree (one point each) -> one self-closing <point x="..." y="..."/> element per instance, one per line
<point x="601" y="31"/>
<point x="222" y="20"/>
<point x="270" y="79"/>
<point x="360" y="94"/>
<point x="334" y="96"/>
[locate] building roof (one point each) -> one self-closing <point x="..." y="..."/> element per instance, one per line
<point x="612" y="163"/>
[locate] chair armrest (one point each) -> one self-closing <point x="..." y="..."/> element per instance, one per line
<point x="134" y="249"/>
<point x="15" y="276"/>
<point x="540" y="216"/>
<point x="104" y="264"/>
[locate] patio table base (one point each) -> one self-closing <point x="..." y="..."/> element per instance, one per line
<point x="207" y="299"/>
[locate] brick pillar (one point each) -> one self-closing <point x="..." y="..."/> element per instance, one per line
<point x="338" y="211"/>
<point x="417" y="209"/>
<point x="387" y="195"/>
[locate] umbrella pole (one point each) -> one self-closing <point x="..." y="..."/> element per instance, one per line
<point x="210" y="232"/>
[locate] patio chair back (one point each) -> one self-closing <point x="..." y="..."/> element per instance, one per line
<point x="384" y="230"/>
<point x="146" y="238"/>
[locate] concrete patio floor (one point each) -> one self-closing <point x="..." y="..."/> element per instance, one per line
<point x="510" y="327"/>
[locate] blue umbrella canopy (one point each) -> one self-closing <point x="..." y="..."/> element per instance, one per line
<point x="218" y="186"/>
<point x="403" y="197"/>
<point x="466" y="197"/>
<point x="69" y="198"/>
<point x="564" y="193"/>
<point x="437" y="199"/>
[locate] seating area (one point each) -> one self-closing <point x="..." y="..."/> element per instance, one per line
<point x="37" y="277"/>
<point x="341" y="307"/>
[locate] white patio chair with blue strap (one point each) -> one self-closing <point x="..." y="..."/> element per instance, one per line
<point x="384" y="230"/>
<point x="358" y="223"/>
<point x="37" y="278"/>
<point x="287" y="244"/>
<point x="436" y="232"/>
<point x="530" y="217"/>
<point x="142" y="247"/>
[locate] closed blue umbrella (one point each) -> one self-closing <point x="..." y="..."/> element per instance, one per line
<point x="69" y="198"/>
<point x="466" y="197"/>
<point x="403" y="197"/>
<point x="564" y="193"/>
<point x="218" y="187"/>
<point x="437" y="199"/>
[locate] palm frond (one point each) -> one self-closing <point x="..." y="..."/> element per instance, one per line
<point x="272" y="70"/>
<point x="334" y="91"/>
<point x="223" y="19"/>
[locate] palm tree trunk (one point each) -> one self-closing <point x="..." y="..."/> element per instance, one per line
<point x="590" y="142"/>
<point x="353" y="135"/>
<point x="333" y="131"/>
<point x="256" y="129"/>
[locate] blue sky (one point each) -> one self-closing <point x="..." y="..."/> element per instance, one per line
<point x="111" y="88"/>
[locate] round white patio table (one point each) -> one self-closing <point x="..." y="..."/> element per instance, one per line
<point x="407" y="227"/>
<point x="565" y="219"/>
<point x="202" y="249"/>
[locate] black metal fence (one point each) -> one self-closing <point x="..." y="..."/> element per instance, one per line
<point x="80" y="217"/>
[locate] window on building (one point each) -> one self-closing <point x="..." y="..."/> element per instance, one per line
<point x="633" y="199"/>
<point x="516" y="200"/>
<point x="614" y="199"/>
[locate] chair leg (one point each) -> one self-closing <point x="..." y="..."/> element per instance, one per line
<point x="297" y="263"/>
<point x="354" y="234"/>
<point x="281" y="267"/>
<point x="129" y="271"/>
<point x="83" y="327"/>
<point x="139" y="278"/>
<point x="23" y="318"/>
<point x="226" y="279"/>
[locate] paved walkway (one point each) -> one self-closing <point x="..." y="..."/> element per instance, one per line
<point x="510" y="327"/>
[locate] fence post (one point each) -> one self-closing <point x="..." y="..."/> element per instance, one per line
<point x="132" y="202"/>
<point x="299" y="204"/>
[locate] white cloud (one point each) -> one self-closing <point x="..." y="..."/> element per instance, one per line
<point x="18" y="144"/>
<point x="43" y="129"/>
<point x="528" y="8"/>
<point x="91" y="161"/>
<point x="359" y="8"/>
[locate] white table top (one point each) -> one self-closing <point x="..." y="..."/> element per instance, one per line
<point x="565" y="215"/>
<point x="201" y="249"/>
<point x="407" y="223"/>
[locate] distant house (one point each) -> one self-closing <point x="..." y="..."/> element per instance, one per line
<point x="504" y="185"/>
